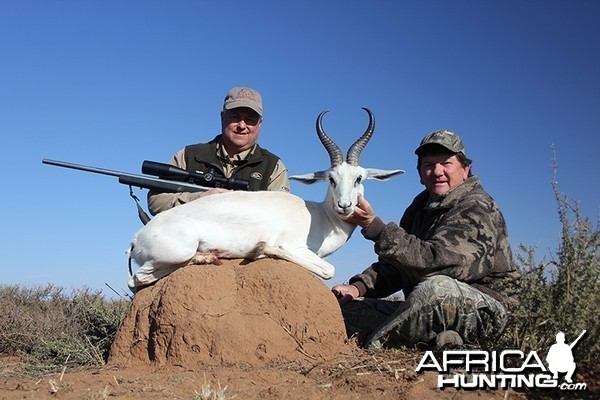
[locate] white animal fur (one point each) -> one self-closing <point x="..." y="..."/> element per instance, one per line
<point x="257" y="224"/>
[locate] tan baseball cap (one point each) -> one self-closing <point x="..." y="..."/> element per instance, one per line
<point x="445" y="138"/>
<point x="243" y="97"/>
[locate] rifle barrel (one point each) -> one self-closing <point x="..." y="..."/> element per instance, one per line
<point x="84" y="168"/>
<point x="142" y="181"/>
<point x="577" y="340"/>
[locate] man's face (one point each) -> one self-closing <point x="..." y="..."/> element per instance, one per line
<point x="240" y="128"/>
<point x="441" y="173"/>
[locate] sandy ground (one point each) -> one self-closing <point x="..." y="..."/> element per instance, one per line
<point x="358" y="375"/>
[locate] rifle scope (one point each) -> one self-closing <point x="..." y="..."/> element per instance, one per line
<point x="167" y="171"/>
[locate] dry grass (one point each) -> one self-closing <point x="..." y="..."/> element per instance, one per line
<point x="51" y="330"/>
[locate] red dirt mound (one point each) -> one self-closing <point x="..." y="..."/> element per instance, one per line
<point x="267" y="310"/>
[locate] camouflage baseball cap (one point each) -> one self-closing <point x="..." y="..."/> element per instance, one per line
<point x="243" y="97"/>
<point x="445" y="138"/>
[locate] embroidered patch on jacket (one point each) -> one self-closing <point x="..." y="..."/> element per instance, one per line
<point x="256" y="175"/>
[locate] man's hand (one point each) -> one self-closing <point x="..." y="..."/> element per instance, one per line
<point x="346" y="293"/>
<point x="363" y="213"/>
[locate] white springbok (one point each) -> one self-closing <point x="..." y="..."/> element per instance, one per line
<point x="257" y="224"/>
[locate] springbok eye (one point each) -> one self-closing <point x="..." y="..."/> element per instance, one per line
<point x="359" y="180"/>
<point x="331" y="181"/>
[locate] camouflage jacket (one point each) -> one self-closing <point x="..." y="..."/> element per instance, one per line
<point x="463" y="236"/>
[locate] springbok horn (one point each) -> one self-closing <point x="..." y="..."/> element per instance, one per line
<point x="335" y="154"/>
<point x="359" y="145"/>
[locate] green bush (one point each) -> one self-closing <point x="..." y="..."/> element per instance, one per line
<point x="563" y="294"/>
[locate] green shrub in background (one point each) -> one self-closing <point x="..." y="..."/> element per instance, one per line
<point x="50" y="329"/>
<point x="563" y="294"/>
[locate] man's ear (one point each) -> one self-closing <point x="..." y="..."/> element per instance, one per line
<point x="467" y="170"/>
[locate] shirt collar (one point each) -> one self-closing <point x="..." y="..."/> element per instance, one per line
<point x="236" y="159"/>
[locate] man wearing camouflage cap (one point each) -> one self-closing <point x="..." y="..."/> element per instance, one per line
<point x="234" y="153"/>
<point x="450" y="255"/>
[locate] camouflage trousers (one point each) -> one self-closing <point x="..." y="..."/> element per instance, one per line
<point x="437" y="304"/>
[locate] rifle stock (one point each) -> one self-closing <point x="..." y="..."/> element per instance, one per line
<point x="161" y="185"/>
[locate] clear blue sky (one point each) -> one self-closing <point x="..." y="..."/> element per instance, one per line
<point x="112" y="83"/>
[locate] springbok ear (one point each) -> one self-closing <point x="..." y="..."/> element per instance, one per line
<point x="382" y="174"/>
<point x="309" y="179"/>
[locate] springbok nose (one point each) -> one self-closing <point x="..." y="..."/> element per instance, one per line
<point x="344" y="204"/>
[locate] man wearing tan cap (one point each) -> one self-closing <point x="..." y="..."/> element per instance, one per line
<point x="232" y="154"/>
<point x="450" y="255"/>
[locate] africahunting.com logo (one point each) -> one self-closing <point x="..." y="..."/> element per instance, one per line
<point x="480" y="369"/>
